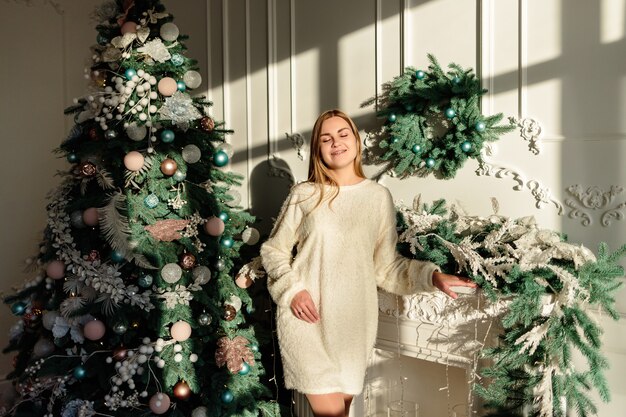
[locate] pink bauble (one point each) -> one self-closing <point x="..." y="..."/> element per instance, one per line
<point x="94" y="330"/>
<point x="55" y="269"/>
<point x="167" y="86"/>
<point x="180" y="331"/>
<point x="214" y="226"/>
<point x="133" y="161"/>
<point x="90" y="216"/>
<point x="129" y="27"/>
<point x="243" y="281"/>
<point x="159" y="403"/>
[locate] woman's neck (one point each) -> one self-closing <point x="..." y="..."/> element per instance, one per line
<point x="346" y="177"/>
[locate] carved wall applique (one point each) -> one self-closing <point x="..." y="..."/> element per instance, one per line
<point x="297" y="141"/>
<point x="594" y="198"/>
<point x="530" y="130"/>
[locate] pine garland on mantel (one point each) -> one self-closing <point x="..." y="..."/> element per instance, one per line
<point x="433" y="121"/>
<point x="552" y="286"/>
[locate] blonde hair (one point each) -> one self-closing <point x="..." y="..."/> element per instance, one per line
<point x="319" y="173"/>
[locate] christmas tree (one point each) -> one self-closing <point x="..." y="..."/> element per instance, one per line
<point x="133" y="307"/>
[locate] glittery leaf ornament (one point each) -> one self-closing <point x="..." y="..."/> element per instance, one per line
<point x="179" y="109"/>
<point x="233" y="352"/>
<point x="167" y="230"/>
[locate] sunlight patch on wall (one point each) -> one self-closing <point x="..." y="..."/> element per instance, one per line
<point x="613" y="17"/>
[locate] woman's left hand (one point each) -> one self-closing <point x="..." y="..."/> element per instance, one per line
<point x="445" y="281"/>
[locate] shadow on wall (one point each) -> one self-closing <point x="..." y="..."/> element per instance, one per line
<point x="267" y="192"/>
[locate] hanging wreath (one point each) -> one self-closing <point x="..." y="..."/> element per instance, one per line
<point x="433" y="121"/>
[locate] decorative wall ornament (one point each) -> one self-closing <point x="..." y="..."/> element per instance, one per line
<point x="542" y="194"/>
<point x="279" y="168"/>
<point x="297" y="140"/>
<point x="594" y="198"/>
<point x="530" y="130"/>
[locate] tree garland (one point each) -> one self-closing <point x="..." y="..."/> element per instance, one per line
<point x="433" y="121"/>
<point x="550" y="286"/>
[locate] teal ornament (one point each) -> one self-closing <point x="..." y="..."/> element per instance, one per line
<point x="456" y="80"/>
<point x="151" y="201"/>
<point x="167" y="136"/>
<point x="245" y="369"/>
<point x="145" y="281"/>
<point x="430" y="162"/>
<point x="254" y="347"/>
<point x="72" y="158"/>
<point x="181" y="86"/>
<point x="480" y="126"/>
<point x="416" y="148"/>
<point x="395" y="140"/>
<point x="110" y="134"/>
<point x="18" y="308"/>
<point x="224" y="216"/>
<point x="179" y="176"/>
<point x="120" y="328"/>
<point x="220" y="264"/>
<point x="102" y="40"/>
<point x="227" y="397"/>
<point x="419" y="74"/>
<point x="227" y="242"/>
<point x="117" y="257"/>
<point x="220" y="158"/>
<point x="177" y="59"/>
<point x="250" y="309"/>
<point x="130" y="73"/>
<point x="450" y="113"/>
<point x="392" y="117"/>
<point x="466" y="146"/>
<point x="409" y="107"/>
<point x="80" y="372"/>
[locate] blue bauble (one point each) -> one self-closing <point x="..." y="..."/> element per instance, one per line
<point x="392" y="117"/>
<point x="220" y="158"/>
<point x="72" y="157"/>
<point x="450" y="113"/>
<point x="117" y="257"/>
<point x="394" y="140"/>
<point x="245" y="369"/>
<point x="130" y="73"/>
<point x="466" y="146"/>
<point x="102" y="40"/>
<point x="80" y="372"/>
<point x="145" y="281"/>
<point x="227" y="397"/>
<point x="430" y="162"/>
<point x="179" y="176"/>
<point x="419" y="74"/>
<point x="456" y="80"/>
<point x="250" y="309"/>
<point x="227" y="242"/>
<point x="167" y="136"/>
<point x="480" y="126"/>
<point x="416" y="148"/>
<point x="151" y="201"/>
<point x="177" y="59"/>
<point x="409" y="107"/>
<point x="224" y="216"/>
<point x="180" y="85"/>
<point x="254" y="347"/>
<point x="18" y="308"/>
<point x="110" y="134"/>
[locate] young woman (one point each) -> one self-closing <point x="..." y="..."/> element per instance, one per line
<point x="344" y="228"/>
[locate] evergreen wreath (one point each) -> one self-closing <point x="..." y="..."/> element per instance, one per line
<point x="433" y="121"/>
<point x="549" y="286"/>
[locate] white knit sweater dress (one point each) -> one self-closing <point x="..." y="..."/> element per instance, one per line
<point x="343" y="253"/>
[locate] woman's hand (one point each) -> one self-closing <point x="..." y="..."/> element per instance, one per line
<point x="445" y="281"/>
<point x="303" y="307"/>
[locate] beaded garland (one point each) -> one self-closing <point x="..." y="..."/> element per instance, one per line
<point x="433" y="121"/>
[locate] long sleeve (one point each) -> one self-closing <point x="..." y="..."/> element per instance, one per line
<point x="395" y="273"/>
<point x="276" y="253"/>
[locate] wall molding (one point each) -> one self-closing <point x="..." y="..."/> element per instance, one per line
<point x="594" y="198"/>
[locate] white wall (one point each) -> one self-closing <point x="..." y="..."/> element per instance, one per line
<point x="273" y="65"/>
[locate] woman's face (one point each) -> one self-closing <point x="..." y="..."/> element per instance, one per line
<point x="338" y="143"/>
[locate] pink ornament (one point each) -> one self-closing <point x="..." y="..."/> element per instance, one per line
<point x="133" y="161"/>
<point x="160" y="403"/>
<point x="167" y="86"/>
<point x="243" y="281"/>
<point x="214" y="226"/>
<point x="129" y="27"/>
<point x="55" y="269"/>
<point x="180" y="331"/>
<point x="90" y="216"/>
<point x="94" y="330"/>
